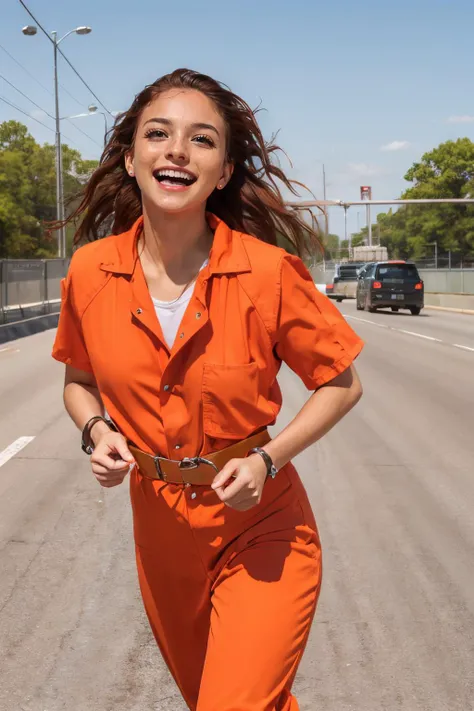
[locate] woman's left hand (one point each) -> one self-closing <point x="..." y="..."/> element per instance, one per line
<point x="247" y="478"/>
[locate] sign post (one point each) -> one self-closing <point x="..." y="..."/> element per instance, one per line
<point x="366" y="194"/>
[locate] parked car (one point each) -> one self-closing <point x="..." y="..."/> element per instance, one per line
<point x="391" y="284"/>
<point x="345" y="280"/>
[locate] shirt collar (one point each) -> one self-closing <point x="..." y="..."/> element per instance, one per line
<point x="228" y="254"/>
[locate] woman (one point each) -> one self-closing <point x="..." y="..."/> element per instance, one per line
<point x="176" y="326"/>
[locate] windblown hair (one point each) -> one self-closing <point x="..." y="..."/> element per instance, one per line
<point x="251" y="202"/>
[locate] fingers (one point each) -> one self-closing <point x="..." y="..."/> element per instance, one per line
<point x="123" y="450"/>
<point x="243" y="491"/>
<point x="111" y="460"/>
<point x="108" y="481"/>
<point x="226" y="474"/>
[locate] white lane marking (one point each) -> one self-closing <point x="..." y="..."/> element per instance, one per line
<point x="466" y="348"/>
<point x="366" y="320"/>
<point x="14" y="448"/>
<point x="9" y="350"/>
<point x="419" y="335"/>
<point x="408" y="333"/>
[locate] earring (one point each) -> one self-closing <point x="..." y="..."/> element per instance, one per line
<point x="220" y="185"/>
<point x="131" y="173"/>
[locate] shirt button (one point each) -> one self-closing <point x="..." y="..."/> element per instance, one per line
<point x="177" y="446"/>
<point x="181" y="335"/>
<point x="139" y="311"/>
<point x="193" y="495"/>
<point x="166" y="388"/>
<point x="198" y="315"/>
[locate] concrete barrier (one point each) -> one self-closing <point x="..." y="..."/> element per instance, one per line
<point x="463" y="303"/>
<point x="26" y="324"/>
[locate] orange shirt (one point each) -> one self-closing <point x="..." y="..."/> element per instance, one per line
<point x="253" y="307"/>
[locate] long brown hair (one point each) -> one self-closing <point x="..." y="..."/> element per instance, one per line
<point x="251" y="202"/>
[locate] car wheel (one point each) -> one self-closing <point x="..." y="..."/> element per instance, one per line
<point x="368" y="307"/>
<point x="415" y="310"/>
<point x="358" y="306"/>
<point x="339" y="301"/>
<point x="395" y="309"/>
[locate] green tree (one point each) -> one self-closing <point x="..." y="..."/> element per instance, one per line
<point x="445" y="172"/>
<point x="28" y="191"/>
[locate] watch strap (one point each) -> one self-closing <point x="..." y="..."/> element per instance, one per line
<point x="272" y="471"/>
<point x="86" y="441"/>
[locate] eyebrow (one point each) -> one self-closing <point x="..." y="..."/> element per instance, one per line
<point x="168" y="122"/>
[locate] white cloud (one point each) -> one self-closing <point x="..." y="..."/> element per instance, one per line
<point x="395" y="146"/>
<point x="363" y="170"/>
<point x="461" y="119"/>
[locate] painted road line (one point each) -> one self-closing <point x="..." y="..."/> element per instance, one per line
<point x="418" y="335"/>
<point x="14" y="448"/>
<point x="465" y="348"/>
<point x="366" y="320"/>
<point x="410" y="333"/>
<point x="8" y="349"/>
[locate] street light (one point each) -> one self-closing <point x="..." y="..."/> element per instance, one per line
<point x="29" y="31"/>
<point x="93" y="110"/>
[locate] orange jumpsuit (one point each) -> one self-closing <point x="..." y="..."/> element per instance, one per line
<point x="230" y="596"/>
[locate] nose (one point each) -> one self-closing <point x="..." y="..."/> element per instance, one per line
<point x="177" y="150"/>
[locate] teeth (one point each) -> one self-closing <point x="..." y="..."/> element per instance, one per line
<point x="174" y="174"/>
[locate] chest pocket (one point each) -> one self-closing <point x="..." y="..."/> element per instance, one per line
<point x="235" y="380"/>
<point x="234" y="405"/>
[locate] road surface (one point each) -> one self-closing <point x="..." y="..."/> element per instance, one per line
<point x="393" y="490"/>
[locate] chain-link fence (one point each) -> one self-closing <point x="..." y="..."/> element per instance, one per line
<point x="30" y="287"/>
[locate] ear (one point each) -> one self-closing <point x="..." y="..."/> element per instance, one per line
<point x="226" y="175"/>
<point x="129" y="164"/>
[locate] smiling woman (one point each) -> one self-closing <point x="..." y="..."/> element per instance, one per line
<point x="214" y="124"/>
<point x="176" y="325"/>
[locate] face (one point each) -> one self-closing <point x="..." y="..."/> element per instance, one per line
<point x="179" y="155"/>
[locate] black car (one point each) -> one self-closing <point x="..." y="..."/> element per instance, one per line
<point x="395" y="285"/>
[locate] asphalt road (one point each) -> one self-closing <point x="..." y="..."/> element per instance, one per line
<point x="393" y="490"/>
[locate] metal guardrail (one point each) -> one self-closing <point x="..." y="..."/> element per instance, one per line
<point x="30" y="287"/>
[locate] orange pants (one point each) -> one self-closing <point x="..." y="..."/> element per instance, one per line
<point x="230" y="596"/>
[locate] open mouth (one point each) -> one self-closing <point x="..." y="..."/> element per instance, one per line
<point x="174" y="178"/>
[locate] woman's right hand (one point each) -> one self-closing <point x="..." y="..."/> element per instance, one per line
<point x="111" y="459"/>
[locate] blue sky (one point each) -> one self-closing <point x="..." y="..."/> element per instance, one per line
<point x="363" y="87"/>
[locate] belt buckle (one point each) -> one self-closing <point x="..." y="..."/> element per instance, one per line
<point x="159" y="470"/>
<point x="184" y="464"/>
<point x="194" y="462"/>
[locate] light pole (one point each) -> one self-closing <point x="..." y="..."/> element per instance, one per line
<point x="435" y="245"/>
<point x="29" y="31"/>
<point x="93" y="110"/>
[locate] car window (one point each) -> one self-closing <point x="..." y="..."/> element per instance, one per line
<point x="349" y="272"/>
<point x="397" y="273"/>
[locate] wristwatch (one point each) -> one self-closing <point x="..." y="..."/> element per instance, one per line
<point x="86" y="440"/>
<point x="272" y="471"/>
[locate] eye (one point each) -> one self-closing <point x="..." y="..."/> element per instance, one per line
<point x="207" y="140"/>
<point x="155" y="133"/>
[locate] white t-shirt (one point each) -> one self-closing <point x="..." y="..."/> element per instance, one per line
<point x="170" y="313"/>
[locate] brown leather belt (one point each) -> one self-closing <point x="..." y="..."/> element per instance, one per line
<point x="195" y="470"/>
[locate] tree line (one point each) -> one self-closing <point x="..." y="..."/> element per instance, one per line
<point x="412" y="231"/>
<point x="28" y="200"/>
<point x="28" y="191"/>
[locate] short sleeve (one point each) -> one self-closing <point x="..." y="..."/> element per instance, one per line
<point x="312" y="336"/>
<point x="69" y="346"/>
